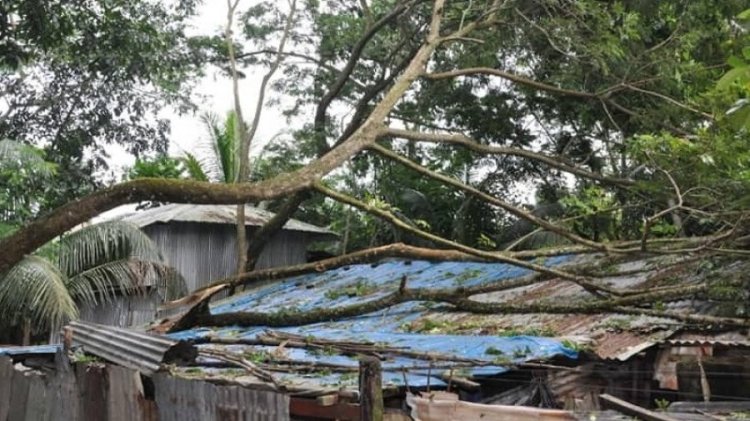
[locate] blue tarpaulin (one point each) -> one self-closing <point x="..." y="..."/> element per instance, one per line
<point x="361" y="283"/>
<point x="30" y="350"/>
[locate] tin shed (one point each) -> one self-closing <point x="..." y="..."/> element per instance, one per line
<point x="199" y="240"/>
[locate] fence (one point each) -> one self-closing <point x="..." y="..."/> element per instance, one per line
<point x="103" y="392"/>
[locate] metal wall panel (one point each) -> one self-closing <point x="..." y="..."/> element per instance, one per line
<point x="88" y="393"/>
<point x="204" y="253"/>
<point x="195" y="400"/>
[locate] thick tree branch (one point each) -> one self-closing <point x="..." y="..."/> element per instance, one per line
<point x="40" y="231"/>
<point x="460" y="301"/>
<point x="343" y="76"/>
<point x="584" y="282"/>
<point x="458" y="139"/>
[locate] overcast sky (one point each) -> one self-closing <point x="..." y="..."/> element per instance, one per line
<point x="215" y="95"/>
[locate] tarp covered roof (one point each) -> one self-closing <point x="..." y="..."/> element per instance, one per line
<point x="360" y="283"/>
<point x="215" y="214"/>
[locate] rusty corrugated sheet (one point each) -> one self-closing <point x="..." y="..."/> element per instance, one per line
<point x="139" y="351"/>
<point x="730" y="339"/>
<point x="195" y="400"/>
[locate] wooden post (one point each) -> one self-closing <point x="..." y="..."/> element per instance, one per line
<point x="370" y="389"/>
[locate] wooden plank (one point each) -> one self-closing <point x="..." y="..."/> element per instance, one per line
<point x="301" y="407"/>
<point x="633" y="410"/>
<point x="327" y="400"/>
<point x="370" y="389"/>
<point x="432" y="408"/>
<point x="711" y="407"/>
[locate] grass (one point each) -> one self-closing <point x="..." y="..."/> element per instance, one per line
<point x="359" y="289"/>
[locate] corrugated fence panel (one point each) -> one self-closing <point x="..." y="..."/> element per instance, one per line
<point x="194" y="400"/>
<point x="19" y="393"/>
<point x="6" y="378"/>
<point x="125" y="400"/>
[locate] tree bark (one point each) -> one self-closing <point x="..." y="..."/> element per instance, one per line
<point x="262" y="235"/>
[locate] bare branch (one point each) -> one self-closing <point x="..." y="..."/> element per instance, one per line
<point x="650" y="221"/>
<point x="671" y="101"/>
<point x="294" y="54"/>
<point x="522" y="80"/>
<point x="553" y="161"/>
<point x="489" y="199"/>
<point x="504" y="258"/>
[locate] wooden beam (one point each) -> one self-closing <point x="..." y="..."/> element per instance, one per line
<point x="633" y="410"/>
<point x="302" y="407"/>
<point x="370" y="389"/>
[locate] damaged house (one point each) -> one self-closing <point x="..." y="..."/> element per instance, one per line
<point x="300" y="348"/>
<point x="200" y="240"/>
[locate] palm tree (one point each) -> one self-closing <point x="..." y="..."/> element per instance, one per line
<point x="219" y="161"/>
<point x="94" y="264"/>
<point x="89" y="266"/>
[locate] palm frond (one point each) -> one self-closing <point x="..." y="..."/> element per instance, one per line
<point x="125" y="277"/>
<point x="216" y="163"/>
<point x="228" y="148"/>
<point x="194" y="167"/>
<point x="35" y="289"/>
<point x="17" y="154"/>
<point x="105" y="242"/>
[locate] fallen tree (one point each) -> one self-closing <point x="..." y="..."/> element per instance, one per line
<point x="444" y="29"/>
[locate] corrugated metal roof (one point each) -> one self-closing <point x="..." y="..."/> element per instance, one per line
<point x="610" y="336"/>
<point x="195" y="400"/>
<point x="128" y="348"/>
<point x="391" y="326"/>
<point x="215" y="214"/>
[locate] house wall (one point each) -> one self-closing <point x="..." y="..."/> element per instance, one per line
<point x="206" y="252"/>
<point x="122" y="311"/>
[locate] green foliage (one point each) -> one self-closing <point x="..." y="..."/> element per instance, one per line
<point x="25" y="175"/>
<point x="360" y="289"/>
<point x="95" y="263"/>
<point x="159" y="167"/>
<point x="80" y="76"/>
<point x="662" y="404"/>
<point x="594" y="213"/>
<point x="532" y="331"/>
<point x="736" y="81"/>
<point x="493" y="351"/>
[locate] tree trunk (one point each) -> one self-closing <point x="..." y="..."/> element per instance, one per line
<point x="26" y="340"/>
<point x="262" y="235"/>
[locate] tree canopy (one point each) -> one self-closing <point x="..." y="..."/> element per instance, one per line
<point x="481" y="127"/>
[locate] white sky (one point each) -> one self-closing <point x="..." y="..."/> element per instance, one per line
<point x="214" y="94"/>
